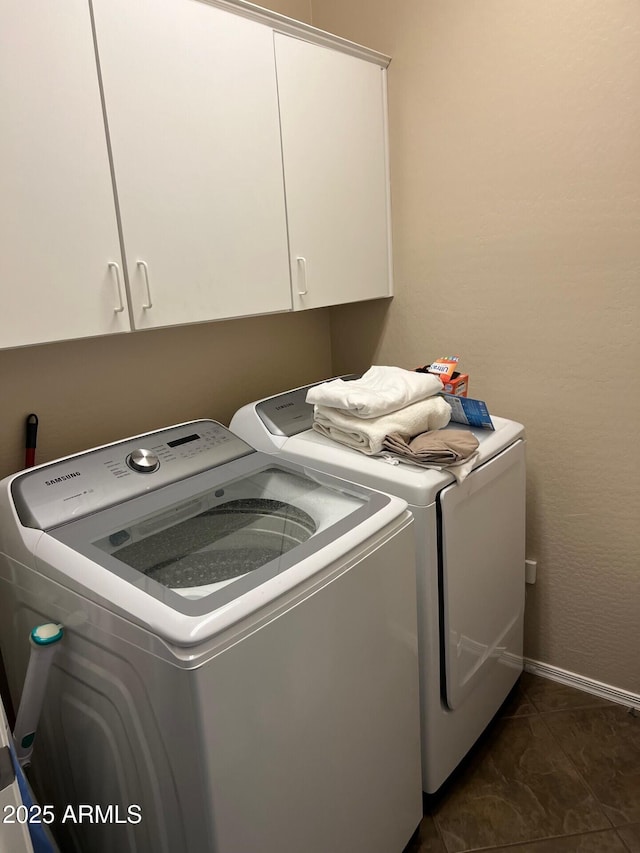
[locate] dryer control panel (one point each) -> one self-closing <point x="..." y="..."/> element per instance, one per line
<point x="79" y="485"/>
<point x="289" y="414"/>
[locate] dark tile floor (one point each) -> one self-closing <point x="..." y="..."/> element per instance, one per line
<point x="558" y="771"/>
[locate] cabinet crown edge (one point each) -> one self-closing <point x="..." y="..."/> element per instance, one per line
<point x="289" y="26"/>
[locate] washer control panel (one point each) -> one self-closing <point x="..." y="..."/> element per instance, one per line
<point x="79" y="485"/>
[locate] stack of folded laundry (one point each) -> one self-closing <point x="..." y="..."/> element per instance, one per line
<point x="392" y="411"/>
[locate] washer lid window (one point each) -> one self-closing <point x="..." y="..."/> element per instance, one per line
<point x="214" y="546"/>
<point x="200" y="543"/>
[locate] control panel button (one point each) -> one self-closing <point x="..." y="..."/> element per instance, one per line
<point x="144" y="461"/>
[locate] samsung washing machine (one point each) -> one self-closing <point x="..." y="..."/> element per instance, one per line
<point x="239" y="666"/>
<point x="470" y="561"/>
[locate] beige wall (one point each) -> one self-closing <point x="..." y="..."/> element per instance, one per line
<point x="93" y="391"/>
<point x="515" y="172"/>
<point x="97" y="390"/>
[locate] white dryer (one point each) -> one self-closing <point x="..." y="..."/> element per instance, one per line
<point x="470" y="541"/>
<point x="239" y="667"/>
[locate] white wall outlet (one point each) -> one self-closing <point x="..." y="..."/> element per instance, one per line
<point x="530" y="568"/>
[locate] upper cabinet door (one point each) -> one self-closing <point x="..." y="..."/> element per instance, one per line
<point x="334" y="142"/>
<point x="191" y="105"/>
<point x="60" y="264"/>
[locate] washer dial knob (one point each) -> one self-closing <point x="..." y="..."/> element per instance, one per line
<point x="144" y="461"/>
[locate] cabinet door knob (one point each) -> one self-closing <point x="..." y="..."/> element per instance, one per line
<point x="145" y="272"/>
<point x="302" y="276"/>
<point x="120" y="307"/>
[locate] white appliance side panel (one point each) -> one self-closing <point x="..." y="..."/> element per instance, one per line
<point x="14" y="835"/>
<point x="333" y="120"/>
<point x="58" y="222"/>
<point x="482" y="552"/>
<point x="314" y="741"/>
<point x="192" y="111"/>
<point x="103" y="737"/>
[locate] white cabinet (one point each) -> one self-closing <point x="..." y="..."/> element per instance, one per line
<point x="191" y="106"/>
<point x="334" y="144"/>
<point x="59" y="245"/>
<point x="173" y="162"/>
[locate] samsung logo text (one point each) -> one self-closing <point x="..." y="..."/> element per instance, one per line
<point x="62" y="478"/>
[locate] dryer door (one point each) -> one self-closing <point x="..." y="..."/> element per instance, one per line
<point x="482" y="541"/>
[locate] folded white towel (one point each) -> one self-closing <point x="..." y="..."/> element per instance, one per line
<point x="367" y="434"/>
<point x="379" y="391"/>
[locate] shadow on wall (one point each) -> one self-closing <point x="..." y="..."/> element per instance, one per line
<point x="357" y="330"/>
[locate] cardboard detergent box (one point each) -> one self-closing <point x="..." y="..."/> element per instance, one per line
<point x="453" y="382"/>
<point x="457" y="385"/>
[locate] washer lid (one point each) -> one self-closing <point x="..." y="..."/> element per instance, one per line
<point x="203" y="544"/>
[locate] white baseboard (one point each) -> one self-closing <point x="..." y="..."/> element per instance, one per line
<point x="580" y="682"/>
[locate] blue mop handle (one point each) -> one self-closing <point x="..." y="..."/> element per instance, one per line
<point x="44" y="644"/>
